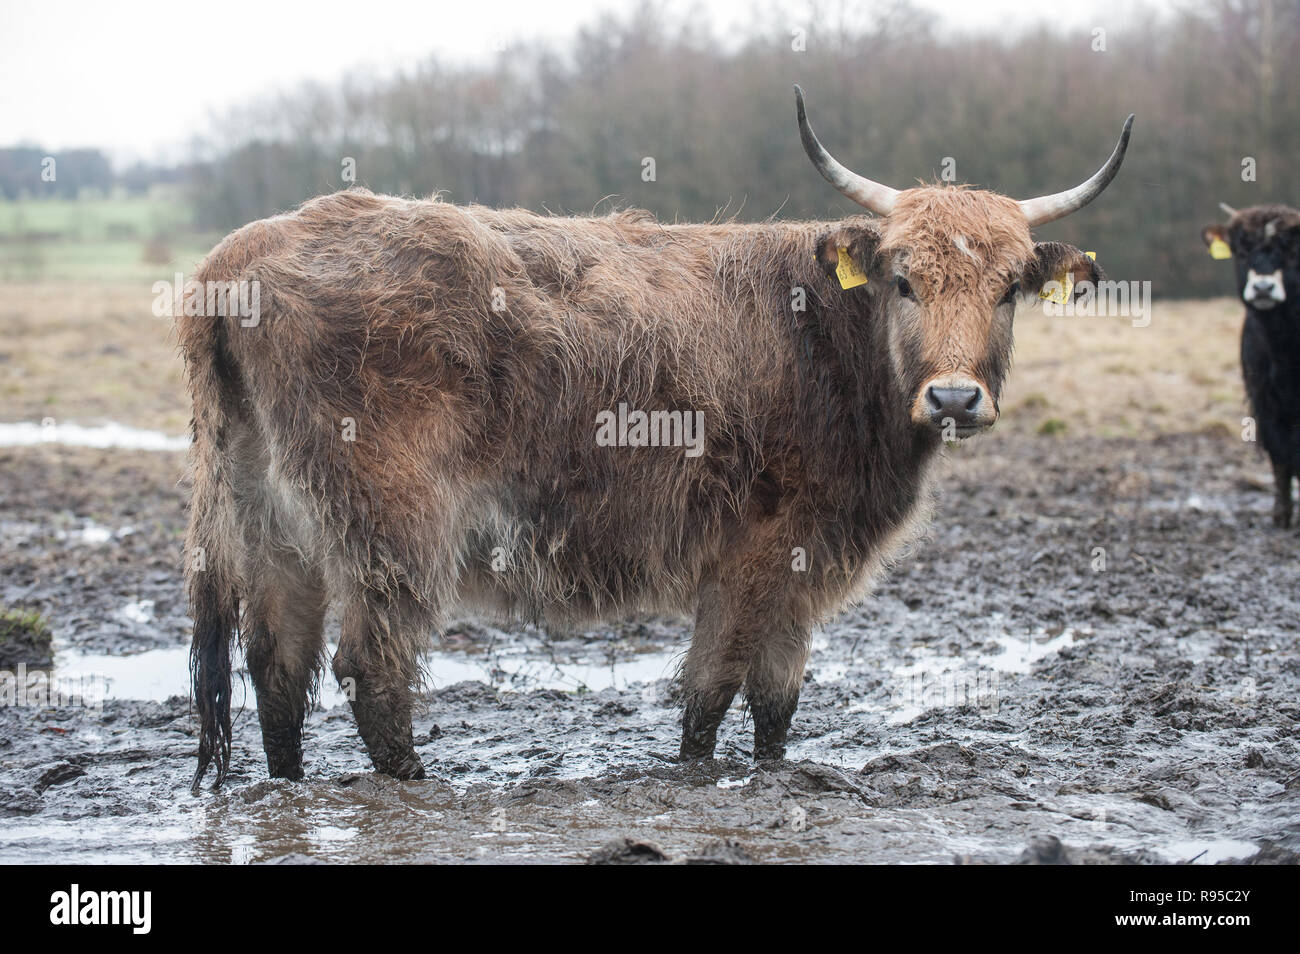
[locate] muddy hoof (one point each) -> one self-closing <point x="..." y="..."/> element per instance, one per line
<point x="686" y="758"/>
<point x="290" y="773"/>
<point x="695" y="753"/>
<point x="409" y="770"/>
<point x="286" y="763"/>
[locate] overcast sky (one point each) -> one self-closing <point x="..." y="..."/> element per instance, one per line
<point x="139" y="77"/>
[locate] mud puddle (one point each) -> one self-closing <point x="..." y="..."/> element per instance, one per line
<point x="156" y="675"/>
<point x="1092" y="657"/>
<point x="49" y="431"/>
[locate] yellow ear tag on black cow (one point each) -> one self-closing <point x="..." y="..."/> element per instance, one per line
<point x="1219" y="249"/>
<point x="1060" y="288"/>
<point x="847" y="271"/>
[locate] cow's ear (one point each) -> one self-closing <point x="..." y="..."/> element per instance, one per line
<point x="848" y="255"/>
<point x="1215" y="233"/>
<point x="1054" y="260"/>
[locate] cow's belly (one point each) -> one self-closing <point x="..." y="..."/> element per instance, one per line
<point x="571" y="564"/>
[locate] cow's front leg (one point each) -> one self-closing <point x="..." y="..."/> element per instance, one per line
<point x="772" y="717"/>
<point x="1281" y="494"/>
<point x="711" y="677"/>
<point x="772" y="660"/>
<point x="700" y="721"/>
<point x="747" y="637"/>
<point x="772" y="685"/>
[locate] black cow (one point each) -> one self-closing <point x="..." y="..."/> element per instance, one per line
<point x="1265" y="244"/>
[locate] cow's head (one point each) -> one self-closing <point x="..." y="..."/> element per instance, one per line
<point x="946" y="266"/>
<point x="1264" y="242"/>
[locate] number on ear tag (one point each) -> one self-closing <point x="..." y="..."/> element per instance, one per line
<point x="847" y="271"/>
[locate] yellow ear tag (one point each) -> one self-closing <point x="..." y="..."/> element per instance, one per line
<point x="1219" y="249"/>
<point x="1059" y="290"/>
<point x="847" y="271"/>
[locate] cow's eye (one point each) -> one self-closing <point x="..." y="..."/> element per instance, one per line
<point x="1012" y="292"/>
<point x="904" y="287"/>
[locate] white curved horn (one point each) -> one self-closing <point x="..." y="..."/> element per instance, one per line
<point x="870" y="195"/>
<point x="1049" y="208"/>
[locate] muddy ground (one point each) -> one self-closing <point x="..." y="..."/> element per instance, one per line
<point x="1091" y="657"/>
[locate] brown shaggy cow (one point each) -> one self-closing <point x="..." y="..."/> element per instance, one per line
<point x="413" y="427"/>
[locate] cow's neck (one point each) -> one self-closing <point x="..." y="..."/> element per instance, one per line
<point x="872" y="432"/>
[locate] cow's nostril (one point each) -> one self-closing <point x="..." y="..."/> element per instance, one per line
<point x="960" y="405"/>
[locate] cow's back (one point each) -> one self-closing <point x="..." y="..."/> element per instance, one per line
<point x="427" y="380"/>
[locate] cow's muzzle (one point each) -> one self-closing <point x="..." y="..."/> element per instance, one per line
<point x="1264" y="290"/>
<point x="957" y="407"/>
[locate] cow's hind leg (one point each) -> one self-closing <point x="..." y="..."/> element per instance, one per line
<point x="284" y="647"/>
<point x="1282" y="475"/>
<point x="376" y="667"/>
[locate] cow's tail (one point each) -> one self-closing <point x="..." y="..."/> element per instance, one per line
<point x="210" y="563"/>
<point x="216" y="617"/>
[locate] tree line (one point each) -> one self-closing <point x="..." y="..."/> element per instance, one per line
<point x="649" y="110"/>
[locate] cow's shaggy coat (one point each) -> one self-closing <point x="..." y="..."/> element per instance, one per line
<point x="410" y="430"/>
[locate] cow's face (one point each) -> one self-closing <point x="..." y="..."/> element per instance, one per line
<point x="948" y="264"/>
<point x="945" y="272"/>
<point x="1265" y="245"/>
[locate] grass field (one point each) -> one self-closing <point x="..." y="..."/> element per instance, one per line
<point x="162" y="211"/>
<point x="118" y="238"/>
<point x="90" y="352"/>
<point x="1104" y="377"/>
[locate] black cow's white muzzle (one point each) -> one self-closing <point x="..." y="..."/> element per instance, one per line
<point x="1264" y="291"/>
